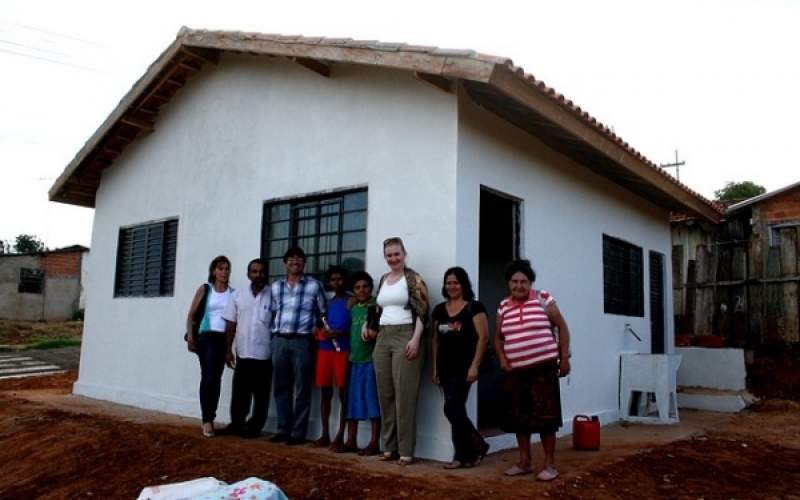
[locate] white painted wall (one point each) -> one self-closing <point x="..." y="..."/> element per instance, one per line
<point x="249" y="130"/>
<point x="566" y="209"/>
<point x="253" y="129"/>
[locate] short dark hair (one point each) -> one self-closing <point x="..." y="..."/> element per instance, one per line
<point x="336" y="269"/>
<point x="463" y="279"/>
<point x="256" y="261"/>
<point x="361" y="276"/>
<point x="521" y="266"/>
<point x="294" y="252"/>
<point x="219" y="259"/>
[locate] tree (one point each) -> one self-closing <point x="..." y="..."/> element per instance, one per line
<point x="5" y="247"/>
<point x="739" y="191"/>
<point x="28" y="243"/>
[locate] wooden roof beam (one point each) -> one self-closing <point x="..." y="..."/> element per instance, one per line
<point x="145" y="125"/>
<point x="440" y="82"/>
<point x="317" y="67"/>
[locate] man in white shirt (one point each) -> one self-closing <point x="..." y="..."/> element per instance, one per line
<point x="248" y="328"/>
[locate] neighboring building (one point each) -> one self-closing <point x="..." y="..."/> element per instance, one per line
<point x="242" y="144"/>
<point x="739" y="279"/>
<point x="42" y="285"/>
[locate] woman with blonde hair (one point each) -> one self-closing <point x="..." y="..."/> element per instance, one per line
<point x="403" y="305"/>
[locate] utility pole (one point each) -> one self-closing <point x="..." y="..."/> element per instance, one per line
<point x="677" y="166"/>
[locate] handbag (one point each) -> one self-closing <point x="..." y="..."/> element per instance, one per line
<point x="197" y="317"/>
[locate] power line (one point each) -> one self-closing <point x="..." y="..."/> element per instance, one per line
<point x="677" y="166"/>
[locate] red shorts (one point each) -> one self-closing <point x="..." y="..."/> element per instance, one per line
<point x="331" y="366"/>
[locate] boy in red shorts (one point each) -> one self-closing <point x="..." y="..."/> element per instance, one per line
<point x="334" y="350"/>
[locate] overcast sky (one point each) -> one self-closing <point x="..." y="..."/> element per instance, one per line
<point x="715" y="80"/>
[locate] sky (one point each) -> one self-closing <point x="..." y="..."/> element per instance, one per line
<point x="711" y="82"/>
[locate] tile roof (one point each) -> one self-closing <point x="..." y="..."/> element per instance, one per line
<point x="494" y="82"/>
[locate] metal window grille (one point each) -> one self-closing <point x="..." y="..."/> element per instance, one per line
<point x="623" y="280"/>
<point x="31" y="281"/>
<point x="330" y="228"/>
<point x="146" y="260"/>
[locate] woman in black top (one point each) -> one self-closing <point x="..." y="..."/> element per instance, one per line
<point x="460" y="331"/>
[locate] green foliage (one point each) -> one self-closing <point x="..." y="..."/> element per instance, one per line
<point x="5" y="247"/>
<point x="54" y="344"/>
<point x="739" y="191"/>
<point x="27" y="243"/>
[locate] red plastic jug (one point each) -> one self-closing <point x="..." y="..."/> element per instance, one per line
<point x="585" y="433"/>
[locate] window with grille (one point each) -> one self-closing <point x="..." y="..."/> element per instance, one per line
<point x="623" y="283"/>
<point x="31" y="281"/>
<point x="146" y="260"/>
<point x="330" y="228"/>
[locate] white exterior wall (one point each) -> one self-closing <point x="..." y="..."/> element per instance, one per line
<point x="566" y="209"/>
<point x="249" y="130"/>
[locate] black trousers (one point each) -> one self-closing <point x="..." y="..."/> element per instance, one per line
<point x="468" y="444"/>
<point x="252" y="386"/>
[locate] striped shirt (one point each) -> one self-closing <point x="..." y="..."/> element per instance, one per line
<point x="297" y="308"/>
<point x="527" y="331"/>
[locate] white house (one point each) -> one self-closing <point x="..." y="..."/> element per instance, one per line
<point x="240" y="143"/>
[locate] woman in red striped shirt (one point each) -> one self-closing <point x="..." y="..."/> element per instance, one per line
<point x="533" y="360"/>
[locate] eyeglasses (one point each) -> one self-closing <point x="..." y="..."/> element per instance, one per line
<point x="394" y="240"/>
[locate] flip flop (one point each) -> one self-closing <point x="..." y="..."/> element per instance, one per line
<point x="455" y="464"/>
<point x="405" y="461"/>
<point x="518" y="471"/>
<point x="320" y="443"/>
<point x="389" y="456"/>
<point x="547" y="475"/>
<point x="368" y="452"/>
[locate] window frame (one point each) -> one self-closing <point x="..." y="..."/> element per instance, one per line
<point x="623" y="277"/>
<point x="31" y="281"/>
<point x="330" y="227"/>
<point x="146" y="257"/>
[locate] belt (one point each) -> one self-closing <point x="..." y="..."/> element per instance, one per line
<point x="293" y="335"/>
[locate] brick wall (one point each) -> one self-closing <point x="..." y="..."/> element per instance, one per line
<point x="785" y="207"/>
<point x="65" y="265"/>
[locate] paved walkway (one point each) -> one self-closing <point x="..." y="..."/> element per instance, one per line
<point x="38" y="361"/>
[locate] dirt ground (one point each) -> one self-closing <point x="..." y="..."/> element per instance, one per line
<point x="54" y="445"/>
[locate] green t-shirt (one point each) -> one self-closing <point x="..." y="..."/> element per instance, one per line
<point x="360" y="351"/>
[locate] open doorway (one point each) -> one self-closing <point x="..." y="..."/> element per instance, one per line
<point x="499" y="244"/>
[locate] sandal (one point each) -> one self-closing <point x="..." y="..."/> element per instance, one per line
<point x="547" y="475"/>
<point x="389" y="456"/>
<point x="320" y="443"/>
<point x="403" y="461"/>
<point x="344" y="448"/>
<point x="369" y="451"/>
<point x="208" y="431"/>
<point x="455" y="464"/>
<point x="480" y="458"/>
<point x="518" y="471"/>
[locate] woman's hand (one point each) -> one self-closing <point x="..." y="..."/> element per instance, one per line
<point x="230" y="360"/>
<point x="190" y="344"/>
<point x="505" y="364"/>
<point x="472" y="374"/>
<point x="436" y="378"/>
<point x="412" y="349"/>
<point x="564" y="367"/>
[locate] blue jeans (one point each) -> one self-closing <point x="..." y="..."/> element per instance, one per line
<point x="467" y="442"/>
<point x="291" y="361"/>
<point x="210" y="349"/>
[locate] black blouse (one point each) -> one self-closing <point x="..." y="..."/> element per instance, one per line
<point x="458" y="338"/>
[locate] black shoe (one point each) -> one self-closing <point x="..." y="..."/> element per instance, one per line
<point x="230" y="430"/>
<point x="294" y="441"/>
<point x="278" y="438"/>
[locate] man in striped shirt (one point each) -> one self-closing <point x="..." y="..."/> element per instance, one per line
<point x="298" y="304"/>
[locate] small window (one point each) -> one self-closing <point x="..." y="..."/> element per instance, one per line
<point x="31" y="281"/>
<point x="775" y="232"/>
<point x="146" y="260"/>
<point x="330" y="228"/>
<point x="623" y="285"/>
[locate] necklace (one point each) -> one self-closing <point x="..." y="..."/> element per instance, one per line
<point x="392" y="279"/>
